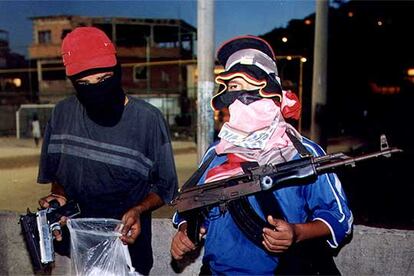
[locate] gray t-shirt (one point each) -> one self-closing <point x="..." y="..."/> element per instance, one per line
<point x="107" y="170"/>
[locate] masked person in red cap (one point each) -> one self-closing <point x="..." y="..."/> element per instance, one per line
<point x="109" y="152"/>
<point x="297" y="219"/>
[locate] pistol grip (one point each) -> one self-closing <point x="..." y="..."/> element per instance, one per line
<point x="193" y="228"/>
<point x="54" y="204"/>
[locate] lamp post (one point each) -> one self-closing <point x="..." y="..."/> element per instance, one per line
<point x="319" y="93"/>
<point x="300" y="89"/>
<point x="205" y="83"/>
<point x="148" y="60"/>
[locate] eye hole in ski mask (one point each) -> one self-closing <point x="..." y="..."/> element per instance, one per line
<point x="245" y="96"/>
<point x="101" y="79"/>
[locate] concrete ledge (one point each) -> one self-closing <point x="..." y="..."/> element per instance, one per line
<point x="14" y="259"/>
<point x="377" y="251"/>
<point x="373" y="251"/>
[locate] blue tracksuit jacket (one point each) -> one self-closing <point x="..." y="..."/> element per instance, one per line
<point x="228" y="251"/>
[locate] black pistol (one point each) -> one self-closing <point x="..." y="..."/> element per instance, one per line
<point x="37" y="229"/>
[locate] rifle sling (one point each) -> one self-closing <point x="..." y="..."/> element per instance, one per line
<point x="195" y="177"/>
<point x="303" y="151"/>
<point x="194" y="221"/>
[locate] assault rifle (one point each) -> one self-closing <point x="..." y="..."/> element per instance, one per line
<point x="193" y="202"/>
<point x="37" y="229"/>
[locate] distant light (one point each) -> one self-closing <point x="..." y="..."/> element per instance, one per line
<point x="284" y="39"/>
<point x="17" y="82"/>
<point x="218" y="70"/>
<point x="379" y="23"/>
<point x="303" y="59"/>
<point x="308" y="22"/>
<point x="410" y="72"/>
<point x="350" y="14"/>
<point x="289" y="58"/>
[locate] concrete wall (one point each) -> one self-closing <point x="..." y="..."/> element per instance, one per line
<point x="373" y="251"/>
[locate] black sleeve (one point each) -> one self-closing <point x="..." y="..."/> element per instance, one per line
<point x="47" y="166"/>
<point x="164" y="176"/>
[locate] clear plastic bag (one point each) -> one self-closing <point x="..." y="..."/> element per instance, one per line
<point x="96" y="249"/>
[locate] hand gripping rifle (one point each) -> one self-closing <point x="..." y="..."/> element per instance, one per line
<point x="37" y="229"/>
<point x="194" y="202"/>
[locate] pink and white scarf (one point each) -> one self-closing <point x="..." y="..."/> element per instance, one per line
<point x="257" y="132"/>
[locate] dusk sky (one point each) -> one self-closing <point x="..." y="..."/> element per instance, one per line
<point x="232" y="17"/>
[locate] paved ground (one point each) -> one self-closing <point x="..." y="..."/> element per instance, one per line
<point x="19" y="166"/>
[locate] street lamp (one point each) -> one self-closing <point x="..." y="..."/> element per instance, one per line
<point x="301" y="60"/>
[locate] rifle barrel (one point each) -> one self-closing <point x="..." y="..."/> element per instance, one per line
<point x="350" y="161"/>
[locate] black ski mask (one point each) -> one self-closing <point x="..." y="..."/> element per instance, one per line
<point x="104" y="101"/>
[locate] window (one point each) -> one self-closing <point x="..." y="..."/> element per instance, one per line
<point x="45" y="37"/>
<point x="3" y="62"/>
<point x="165" y="77"/>
<point x="166" y="36"/>
<point x="53" y="71"/>
<point x="64" y="33"/>
<point x="131" y="35"/>
<point x="140" y="73"/>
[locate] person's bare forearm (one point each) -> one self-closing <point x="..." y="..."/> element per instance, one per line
<point x="57" y="189"/>
<point x="310" y="230"/>
<point x="150" y="203"/>
<point x="56" y="192"/>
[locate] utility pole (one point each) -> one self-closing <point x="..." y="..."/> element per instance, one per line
<point x="205" y="82"/>
<point x="300" y="90"/>
<point x="320" y="55"/>
<point x="148" y="60"/>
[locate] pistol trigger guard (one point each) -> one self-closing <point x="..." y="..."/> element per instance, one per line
<point x="54" y="204"/>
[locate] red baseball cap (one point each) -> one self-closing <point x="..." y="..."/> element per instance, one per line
<point x="87" y="48"/>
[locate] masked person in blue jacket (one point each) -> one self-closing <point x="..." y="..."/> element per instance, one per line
<point x="304" y="221"/>
<point x="109" y="152"/>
